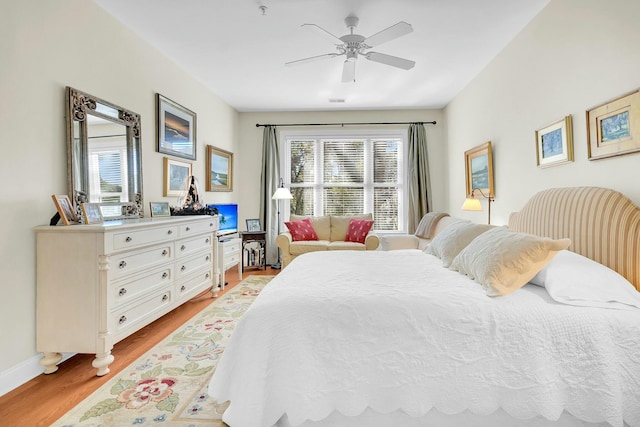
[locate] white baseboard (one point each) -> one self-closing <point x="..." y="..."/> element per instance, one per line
<point x="21" y="373"/>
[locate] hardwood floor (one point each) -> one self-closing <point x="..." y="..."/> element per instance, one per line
<point x="46" y="398"/>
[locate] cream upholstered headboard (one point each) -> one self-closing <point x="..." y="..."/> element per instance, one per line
<point x="602" y="224"/>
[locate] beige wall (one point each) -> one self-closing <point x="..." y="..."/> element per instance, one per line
<point x="576" y="54"/>
<point x="47" y="45"/>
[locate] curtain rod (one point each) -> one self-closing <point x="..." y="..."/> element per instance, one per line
<point x="345" y="124"/>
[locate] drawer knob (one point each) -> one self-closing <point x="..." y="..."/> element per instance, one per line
<point x="122" y="319"/>
<point x="210" y="224"/>
<point x="206" y="276"/>
<point x="165" y="275"/>
<point x="164" y="252"/>
<point x="206" y="240"/>
<point x="183" y="268"/>
<point x="188" y="229"/>
<point x="183" y="247"/>
<point x="122" y="291"/>
<point x="122" y="264"/>
<point x="169" y="232"/>
<point x="183" y="288"/>
<point x="207" y="258"/>
<point x="128" y="239"/>
<point x="165" y="297"/>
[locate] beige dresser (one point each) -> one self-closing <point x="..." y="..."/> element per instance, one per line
<point x="98" y="284"/>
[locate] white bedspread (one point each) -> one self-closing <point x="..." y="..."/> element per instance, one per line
<point x="346" y="331"/>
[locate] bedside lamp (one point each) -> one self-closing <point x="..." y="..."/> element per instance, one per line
<point x="281" y="193"/>
<point x="473" y="204"/>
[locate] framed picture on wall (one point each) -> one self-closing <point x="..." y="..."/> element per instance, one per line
<point x="176" y="176"/>
<point x="554" y="143"/>
<point x="479" y="169"/>
<point x="176" y="129"/>
<point x="614" y="127"/>
<point x="219" y="169"/>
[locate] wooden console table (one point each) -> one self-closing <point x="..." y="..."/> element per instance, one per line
<point x="253" y="257"/>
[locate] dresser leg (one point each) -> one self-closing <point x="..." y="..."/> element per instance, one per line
<point x="214" y="291"/>
<point x="102" y="362"/>
<point x="50" y="361"/>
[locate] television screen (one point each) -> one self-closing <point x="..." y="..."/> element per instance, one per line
<point x="228" y="217"/>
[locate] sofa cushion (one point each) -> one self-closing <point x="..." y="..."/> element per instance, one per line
<point x="301" y="230"/>
<point x="358" y="230"/>
<point x="340" y="225"/>
<point x="302" y="247"/>
<point x="346" y="246"/>
<point x="322" y="225"/>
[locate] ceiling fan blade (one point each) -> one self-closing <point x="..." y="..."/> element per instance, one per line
<point x="349" y="71"/>
<point x="394" y="61"/>
<point x="394" y="31"/>
<point x="326" y="34"/>
<point x="311" y="59"/>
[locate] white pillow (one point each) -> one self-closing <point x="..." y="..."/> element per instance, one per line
<point x="449" y="242"/>
<point x="573" y="279"/>
<point x="503" y="261"/>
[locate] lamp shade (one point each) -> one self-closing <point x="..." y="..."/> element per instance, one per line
<point x="282" y="193"/>
<point x="471" y="204"/>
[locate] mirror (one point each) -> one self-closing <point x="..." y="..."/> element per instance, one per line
<point x="104" y="156"/>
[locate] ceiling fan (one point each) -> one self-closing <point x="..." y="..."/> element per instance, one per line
<point x="352" y="45"/>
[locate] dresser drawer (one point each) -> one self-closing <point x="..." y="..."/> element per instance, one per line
<point x="186" y="247"/>
<point x="231" y="259"/>
<point x="190" y="265"/>
<point x="232" y="245"/>
<point x="208" y="225"/>
<point x="194" y="284"/>
<point x="137" y="285"/>
<point x="136" y="238"/>
<point x="132" y="314"/>
<point x="127" y="263"/>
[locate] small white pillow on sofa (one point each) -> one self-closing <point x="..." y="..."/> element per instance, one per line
<point x="503" y="261"/>
<point x="449" y="242"/>
<point x="573" y="279"/>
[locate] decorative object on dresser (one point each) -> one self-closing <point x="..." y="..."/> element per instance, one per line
<point x="254" y="249"/>
<point x="281" y="193"/>
<point x="614" y="128"/>
<point x="176" y="177"/>
<point x="65" y="210"/>
<point x="176" y="129"/>
<point x="219" y="169"/>
<point x="104" y="156"/>
<point x="554" y="143"/>
<point x="91" y="213"/>
<point x="115" y="278"/>
<point x="471" y="203"/>
<point x="159" y="209"/>
<point x="479" y="169"/>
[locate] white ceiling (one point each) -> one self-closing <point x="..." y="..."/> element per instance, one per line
<point x="239" y="53"/>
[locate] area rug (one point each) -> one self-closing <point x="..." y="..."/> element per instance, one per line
<point x="167" y="386"/>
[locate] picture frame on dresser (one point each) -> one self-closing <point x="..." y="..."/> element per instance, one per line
<point x="479" y="169"/>
<point x="176" y="129"/>
<point x="614" y="127"/>
<point x="159" y="209"/>
<point x="554" y="143"/>
<point x="92" y="213"/>
<point x="65" y="209"/>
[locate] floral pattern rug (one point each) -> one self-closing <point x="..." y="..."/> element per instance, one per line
<point x="167" y="386"/>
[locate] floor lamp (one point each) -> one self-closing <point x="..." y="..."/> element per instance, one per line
<point x="281" y="193"/>
<point x="473" y="204"/>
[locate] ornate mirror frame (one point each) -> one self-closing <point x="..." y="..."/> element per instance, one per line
<point x="80" y="108"/>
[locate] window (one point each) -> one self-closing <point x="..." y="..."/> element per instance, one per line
<point x="347" y="174"/>
<point x="107" y="156"/>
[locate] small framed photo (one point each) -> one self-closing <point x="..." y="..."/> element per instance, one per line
<point x="159" y="209"/>
<point x="65" y="209"/>
<point x="479" y="169"/>
<point x="92" y="213"/>
<point x="176" y="129"/>
<point x="554" y="143"/>
<point x="219" y="169"/>
<point x="254" y="225"/>
<point x="176" y="177"/>
<point x="614" y="128"/>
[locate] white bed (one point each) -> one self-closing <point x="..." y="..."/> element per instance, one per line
<point x="394" y="338"/>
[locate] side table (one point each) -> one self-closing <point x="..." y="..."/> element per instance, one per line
<point x="254" y="249"/>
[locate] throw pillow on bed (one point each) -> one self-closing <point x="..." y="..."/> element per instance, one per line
<point x="449" y="242"/>
<point x="503" y="261"/>
<point x="358" y="230"/>
<point x="302" y="230"/>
